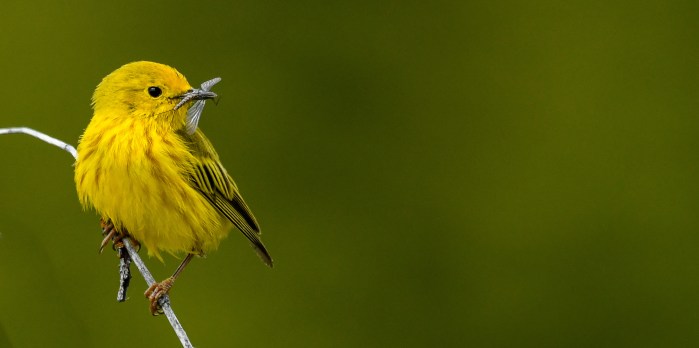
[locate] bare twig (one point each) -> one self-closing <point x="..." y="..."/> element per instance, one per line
<point x="133" y="254"/>
<point x="124" y="272"/>
<point x="163" y="301"/>
<point x="42" y="136"/>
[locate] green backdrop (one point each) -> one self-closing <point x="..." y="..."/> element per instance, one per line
<point x="442" y="173"/>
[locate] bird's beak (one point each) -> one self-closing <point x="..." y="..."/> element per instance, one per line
<point x="195" y="94"/>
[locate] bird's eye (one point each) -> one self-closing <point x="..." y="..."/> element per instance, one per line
<point x="154" y="91"/>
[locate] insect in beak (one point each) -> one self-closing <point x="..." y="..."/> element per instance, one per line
<point x="200" y="95"/>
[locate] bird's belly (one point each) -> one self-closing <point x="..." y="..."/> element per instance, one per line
<point x="154" y="202"/>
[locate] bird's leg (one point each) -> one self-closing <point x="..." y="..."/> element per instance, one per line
<point x="158" y="290"/>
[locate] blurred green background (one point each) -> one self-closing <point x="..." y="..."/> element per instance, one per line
<point x="481" y="174"/>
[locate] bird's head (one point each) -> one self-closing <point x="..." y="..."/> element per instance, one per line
<point x="148" y="90"/>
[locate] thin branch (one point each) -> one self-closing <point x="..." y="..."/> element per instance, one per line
<point x="165" y="300"/>
<point x="124" y="272"/>
<point x="42" y="136"/>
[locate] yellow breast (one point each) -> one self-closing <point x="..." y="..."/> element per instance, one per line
<point x="135" y="173"/>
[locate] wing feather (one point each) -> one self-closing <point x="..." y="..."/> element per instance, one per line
<point x="210" y="178"/>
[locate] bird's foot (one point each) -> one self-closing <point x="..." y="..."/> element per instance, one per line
<point x="155" y="292"/>
<point x="111" y="233"/>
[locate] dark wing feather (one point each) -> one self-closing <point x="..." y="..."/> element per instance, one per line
<point x="210" y="178"/>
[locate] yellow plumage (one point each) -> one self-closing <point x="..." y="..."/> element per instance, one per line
<point x="139" y="167"/>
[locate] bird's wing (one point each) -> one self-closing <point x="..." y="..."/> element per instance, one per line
<point x="210" y="178"/>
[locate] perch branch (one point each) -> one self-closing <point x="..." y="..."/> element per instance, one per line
<point x="133" y="254"/>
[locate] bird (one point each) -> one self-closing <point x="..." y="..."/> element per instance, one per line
<point x="152" y="174"/>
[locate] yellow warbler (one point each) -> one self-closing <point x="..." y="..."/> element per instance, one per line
<point x="147" y="169"/>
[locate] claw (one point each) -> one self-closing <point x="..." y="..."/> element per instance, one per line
<point x="109" y="231"/>
<point x="135" y="244"/>
<point x="155" y="292"/>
